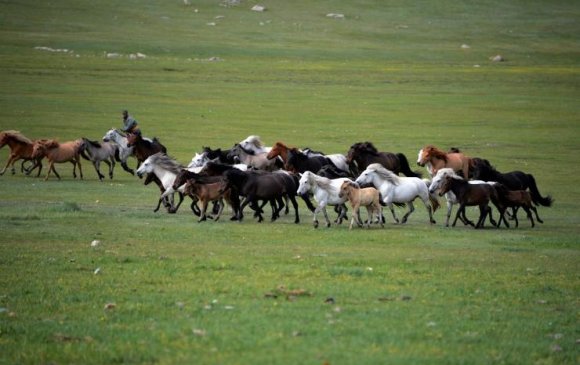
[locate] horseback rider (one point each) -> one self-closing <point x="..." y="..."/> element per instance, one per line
<point x="130" y="125"/>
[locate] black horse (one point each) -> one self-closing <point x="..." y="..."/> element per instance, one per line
<point x="362" y="154"/>
<point x="301" y="162"/>
<point x="514" y="180"/>
<point x="219" y="154"/>
<point x="261" y="185"/>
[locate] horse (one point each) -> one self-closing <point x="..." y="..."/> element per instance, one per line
<point x="253" y="159"/>
<point x="516" y="199"/>
<point x="362" y="154"/>
<point x="125" y="151"/>
<point x="20" y="149"/>
<point x="367" y="197"/>
<point x="398" y="189"/>
<point x="514" y="180"/>
<point x="326" y="192"/>
<point x="436" y="159"/>
<point x="451" y="199"/>
<point x="280" y="149"/>
<point x="165" y="169"/>
<point x="299" y="162"/>
<point x="57" y="152"/>
<point x="142" y="147"/>
<point x="264" y="185"/>
<point x="207" y="192"/>
<point x="470" y="195"/>
<point x="96" y="152"/>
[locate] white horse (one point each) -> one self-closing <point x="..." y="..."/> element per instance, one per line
<point x="166" y="170"/>
<point x="451" y="199"/>
<point x="326" y="192"/>
<point x="125" y="151"/>
<point x="399" y="189"/>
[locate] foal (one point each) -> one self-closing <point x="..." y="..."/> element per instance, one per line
<point x="470" y="195"/>
<point x="516" y="199"/>
<point x="208" y="192"/>
<point x="367" y="197"/>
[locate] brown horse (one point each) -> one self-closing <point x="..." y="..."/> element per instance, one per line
<point x="20" y="149"/>
<point x="57" y="152"/>
<point x="436" y="159"/>
<point x="280" y="149"/>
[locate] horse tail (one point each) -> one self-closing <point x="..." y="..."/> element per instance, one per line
<point x="434" y="203"/>
<point x="118" y="155"/>
<point x="405" y="168"/>
<point x="536" y="197"/>
<point x="82" y="153"/>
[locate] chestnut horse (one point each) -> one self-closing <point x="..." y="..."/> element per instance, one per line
<point x="436" y="159"/>
<point x="57" y="152"/>
<point x="20" y="149"/>
<point x="282" y="150"/>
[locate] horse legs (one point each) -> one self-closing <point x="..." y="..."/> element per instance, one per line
<point x="127" y="168"/>
<point x="174" y="210"/>
<point x="529" y="214"/>
<point x="536" y="211"/>
<point x="390" y="205"/>
<point x="80" y="167"/>
<point x="11" y="159"/>
<point x="295" y="205"/>
<point x="97" y="165"/>
<point x="355" y="216"/>
<point x="111" y="167"/>
<point x="411" y="210"/>
<point x="202" y="216"/>
<point x="484" y="210"/>
<point x="458" y="214"/>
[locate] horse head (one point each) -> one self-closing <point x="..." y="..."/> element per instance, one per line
<point x="132" y="138"/>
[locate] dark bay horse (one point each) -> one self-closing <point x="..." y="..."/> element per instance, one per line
<point x="269" y="186"/>
<point x="362" y="154"/>
<point x="471" y="195"/>
<point x="514" y="180"/>
<point x="20" y="149"/>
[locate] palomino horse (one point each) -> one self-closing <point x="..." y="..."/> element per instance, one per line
<point x="434" y="159"/>
<point x="100" y="152"/>
<point x="399" y="189"/>
<point x="20" y="149"/>
<point x="367" y="197"/>
<point x="57" y="152"/>
<point x="280" y="149"/>
<point x="362" y="154"/>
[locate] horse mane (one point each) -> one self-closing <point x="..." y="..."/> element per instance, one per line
<point x="367" y="147"/>
<point x="436" y="152"/>
<point x="384" y="173"/>
<point x="93" y="143"/>
<point x="17" y="136"/>
<point x="164" y="161"/>
<point x="447" y="171"/>
<point x="50" y="143"/>
<point x="321" y="181"/>
<point x="255" y="140"/>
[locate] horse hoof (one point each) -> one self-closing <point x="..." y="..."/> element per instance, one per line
<point x="315" y="224"/>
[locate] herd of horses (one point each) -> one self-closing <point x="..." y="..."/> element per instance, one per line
<point x="252" y="174"/>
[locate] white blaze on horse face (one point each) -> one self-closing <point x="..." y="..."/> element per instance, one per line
<point x="419" y="156"/>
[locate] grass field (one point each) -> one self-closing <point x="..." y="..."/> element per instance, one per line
<point x="164" y="289"/>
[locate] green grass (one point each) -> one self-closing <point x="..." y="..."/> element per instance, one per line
<point x="391" y="72"/>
